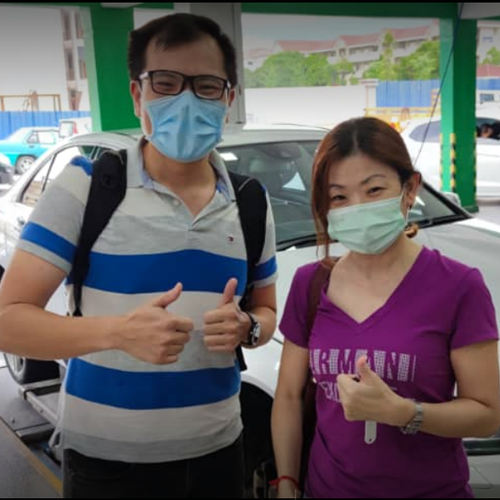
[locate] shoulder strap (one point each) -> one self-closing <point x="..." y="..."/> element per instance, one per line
<point x="318" y="281"/>
<point x="107" y="191"/>
<point x="252" y="206"/>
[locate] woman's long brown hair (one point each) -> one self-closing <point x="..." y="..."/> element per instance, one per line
<point x="368" y="136"/>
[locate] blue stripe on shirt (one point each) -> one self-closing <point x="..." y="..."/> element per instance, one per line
<point x="266" y="270"/>
<point x="197" y="270"/>
<point x="150" y="391"/>
<point x="48" y="240"/>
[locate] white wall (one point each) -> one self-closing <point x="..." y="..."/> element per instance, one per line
<point x="85" y="100"/>
<point x="321" y="106"/>
<point x="488" y="38"/>
<point x="32" y="55"/>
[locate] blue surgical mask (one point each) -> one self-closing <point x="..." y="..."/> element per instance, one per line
<point x="185" y="128"/>
<point x="369" y="228"/>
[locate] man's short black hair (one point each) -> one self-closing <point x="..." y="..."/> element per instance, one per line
<point x="176" y="30"/>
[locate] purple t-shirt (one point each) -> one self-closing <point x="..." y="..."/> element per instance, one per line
<point x="441" y="305"/>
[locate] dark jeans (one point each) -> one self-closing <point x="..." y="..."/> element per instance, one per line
<point x="220" y="475"/>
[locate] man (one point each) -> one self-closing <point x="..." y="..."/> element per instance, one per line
<point x="150" y="406"/>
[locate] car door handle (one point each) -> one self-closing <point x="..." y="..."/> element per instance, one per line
<point x="21" y="222"/>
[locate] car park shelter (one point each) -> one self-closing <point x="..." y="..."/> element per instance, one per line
<point x="106" y="28"/>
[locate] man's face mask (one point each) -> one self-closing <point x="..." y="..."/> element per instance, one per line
<point x="184" y="127"/>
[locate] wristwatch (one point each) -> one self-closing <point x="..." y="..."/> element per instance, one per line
<point x="416" y="424"/>
<point x="255" y="332"/>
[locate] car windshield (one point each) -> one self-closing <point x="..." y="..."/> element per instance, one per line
<point x="66" y="129"/>
<point x="285" y="169"/>
<point x="47" y="137"/>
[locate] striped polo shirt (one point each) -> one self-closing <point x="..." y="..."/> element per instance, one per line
<point x="114" y="407"/>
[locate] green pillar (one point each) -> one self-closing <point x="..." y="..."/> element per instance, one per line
<point x="106" y="37"/>
<point x="459" y="110"/>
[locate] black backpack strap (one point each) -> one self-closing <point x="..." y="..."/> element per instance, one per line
<point x="107" y="191"/>
<point x="252" y="206"/>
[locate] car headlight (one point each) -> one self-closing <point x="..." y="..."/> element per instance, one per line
<point x="5" y="160"/>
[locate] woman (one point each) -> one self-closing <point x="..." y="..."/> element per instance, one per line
<point x="397" y="327"/>
<point x="487" y="131"/>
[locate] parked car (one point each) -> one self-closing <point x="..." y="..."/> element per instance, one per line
<point x="4" y="160"/>
<point x="426" y="152"/>
<point x="74" y="126"/>
<point x="25" y="145"/>
<point x="6" y="171"/>
<point x="281" y="159"/>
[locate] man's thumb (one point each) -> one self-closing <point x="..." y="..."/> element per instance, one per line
<point x="229" y="292"/>
<point x="168" y="298"/>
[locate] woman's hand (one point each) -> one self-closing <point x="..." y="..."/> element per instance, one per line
<point x="367" y="398"/>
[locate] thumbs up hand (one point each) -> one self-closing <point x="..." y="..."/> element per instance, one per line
<point x="229" y="293"/>
<point x="365" y="373"/>
<point x="154" y="335"/>
<point x="365" y="397"/>
<point x="226" y="327"/>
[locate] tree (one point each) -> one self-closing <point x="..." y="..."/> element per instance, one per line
<point x="423" y="64"/>
<point x="292" y="69"/>
<point x="381" y="70"/>
<point x="341" y="71"/>
<point x="493" y="57"/>
<point x="285" y="69"/>
<point x="384" y="69"/>
<point x="318" y="72"/>
<point x="250" y="79"/>
<point x="388" y="56"/>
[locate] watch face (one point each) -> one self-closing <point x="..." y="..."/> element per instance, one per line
<point x="255" y="334"/>
<point x="258" y="330"/>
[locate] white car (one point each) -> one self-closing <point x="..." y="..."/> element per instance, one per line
<point x="7" y="172"/>
<point x="281" y="159"/>
<point x="425" y="151"/>
<point x="4" y="160"/>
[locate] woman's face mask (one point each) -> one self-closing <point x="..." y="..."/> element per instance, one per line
<point x="368" y="228"/>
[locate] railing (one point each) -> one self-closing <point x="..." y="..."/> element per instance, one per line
<point x="31" y="101"/>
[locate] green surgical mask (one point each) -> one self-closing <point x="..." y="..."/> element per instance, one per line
<point x="369" y="228"/>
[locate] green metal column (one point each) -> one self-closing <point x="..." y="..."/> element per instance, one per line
<point x="106" y="37"/>
<point x="459" y="110"/>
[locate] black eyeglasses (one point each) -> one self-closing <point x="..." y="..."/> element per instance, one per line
<point x="210" y="88"/>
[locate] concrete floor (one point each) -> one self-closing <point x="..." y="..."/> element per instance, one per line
<point x="22" y="473"/>
<point x="489" y="210"/>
